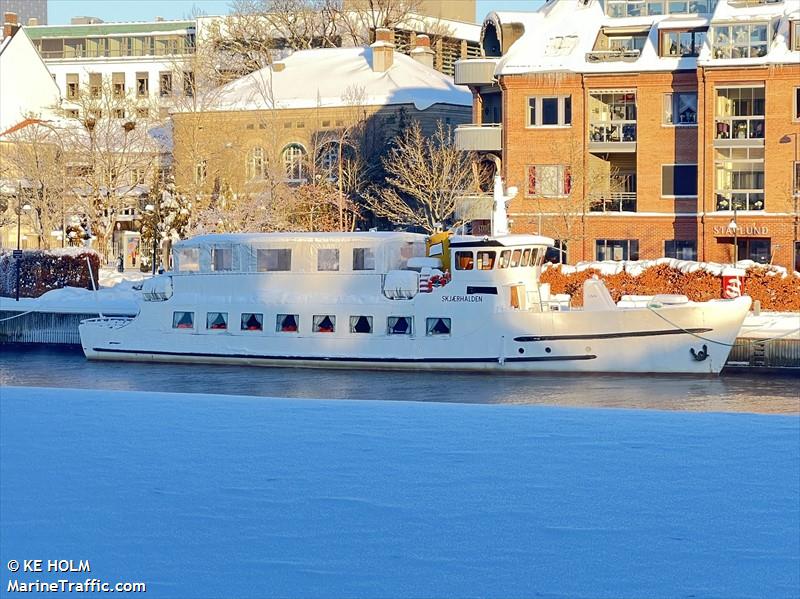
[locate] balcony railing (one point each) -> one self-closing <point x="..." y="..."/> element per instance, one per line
<point x="612" y="201"/>
<point x="107" y="53"/>
<point x="475" y="71"/>
<point x="621" y="55"/>
<point x="480" y="138"/>
<point x="617" y="136"/>
<point x="746" y="130"/>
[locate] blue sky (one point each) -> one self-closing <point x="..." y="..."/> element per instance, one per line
<point x="60" y="11"/>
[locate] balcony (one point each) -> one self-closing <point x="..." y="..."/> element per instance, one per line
<point x="617" y="137"/>
<point x="619" y="55"/>
<point x="480" y="138"/>
<point x="475" y="71"/>
<point x="474" y="207"/>
<point x="612" y="201"/>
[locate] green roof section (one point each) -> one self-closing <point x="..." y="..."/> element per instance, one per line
<point x="101" y="29"/>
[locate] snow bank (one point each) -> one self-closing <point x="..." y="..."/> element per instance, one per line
<point x="219" y="496"/>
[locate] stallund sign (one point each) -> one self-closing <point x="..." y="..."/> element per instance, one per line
<point x="743" y="230"/>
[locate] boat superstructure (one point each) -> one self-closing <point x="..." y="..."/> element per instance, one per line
<point x="393" y="300"/>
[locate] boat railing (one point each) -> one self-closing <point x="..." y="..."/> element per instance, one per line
<point x="109" y="322"/>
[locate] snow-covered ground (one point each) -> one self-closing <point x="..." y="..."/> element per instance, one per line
<point x="221" y="496"/>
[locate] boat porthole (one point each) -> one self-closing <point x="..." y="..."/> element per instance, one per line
<point x="521" y="350"/>
<point x="588" y="349"/>
<point x="547" y="349"/>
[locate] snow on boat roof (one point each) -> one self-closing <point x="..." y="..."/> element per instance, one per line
<point x="505" y="240"/>
<point x="305" y="237"/>
<point x="319" y="78"/>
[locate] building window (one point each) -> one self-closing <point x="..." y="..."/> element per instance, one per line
<point x="165" y="84"/>
<point x="188" y="83"/>
<point x="278" y="260"/>
<point x="294" y="156"/>
<point x="118" y="113"/>
<point x="797" y="103"/>
<point x="329" y="158"/>
<point x="682" y="43"/>
<point x="398" y="325"/>
<point x="549" y="180"/>
<point x="617" y="249"/>
<point x="361" y="324"/>
<point x="287" y="323"/>
<point x="755" y="249"/>
<point x="255" y="163"/>
<point x="72" y="86"/>
<point x="680" y="250"/>
<point x="797" y="256"/>
<point x="363" y="259"/>
<point x="142" y="85"/>
<point x="217" y="321"/>
<point x="183" y="320"/>
<point x="739" y="178"/>
<point x="678" y="180"/>
<point x="324" y="323"/>
<point x="612" y="116"/>
<point x="795" y="36"/>
<point x="95" y="84"/>
<point x="680" y="109"/>
<point x="553" y="111"/>
<point x="437" y="326"/>
<point x="796" y="180"/>
<point x="143" y="113"/>
<point x="556" y="254"/>
<point x="200" y="172"/>
<point x="72" y="113"/>
<point x="641" y="8"/>
<point x="327" y="259"/>
<point x="464" y="261"/>
<point x="118" y="84"/>
<point x="748" y="40"/>
<point x="740" y="113"/>
<point x="252" y="322"/>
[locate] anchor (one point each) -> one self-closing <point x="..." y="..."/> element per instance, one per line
<point x="699" y="355"/>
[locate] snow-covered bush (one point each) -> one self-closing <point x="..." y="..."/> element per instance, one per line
<point x="43" y="270"/>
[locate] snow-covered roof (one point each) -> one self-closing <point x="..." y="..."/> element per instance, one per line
<point x="320" y="78"/>
<point x="378" y="237"/>
<point x="565" y="32"/>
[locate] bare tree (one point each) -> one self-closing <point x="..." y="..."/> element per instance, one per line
<point x="361" y="18"/>
<point x="425" y="176"/>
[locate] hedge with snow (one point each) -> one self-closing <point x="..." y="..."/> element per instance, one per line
<point x="41" y="271"/>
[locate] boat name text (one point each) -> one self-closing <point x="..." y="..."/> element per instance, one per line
<point x="462" y="298"/>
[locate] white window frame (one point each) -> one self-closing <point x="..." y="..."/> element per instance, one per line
<point x="661" y="180"/>
<point x="717" y="50"/>
<point x="560" y="178"/>
<point x="561" y="99"/>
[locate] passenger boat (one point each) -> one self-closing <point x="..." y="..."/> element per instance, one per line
<point x="396" y="300"/>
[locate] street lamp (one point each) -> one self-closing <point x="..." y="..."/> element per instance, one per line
<point x="18" y="253"/>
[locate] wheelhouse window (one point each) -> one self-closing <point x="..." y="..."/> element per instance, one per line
<point x="328" y="259"/>
<point x="549" y="111"/>
<point x="287" y="323"/>
<point x="273" y="260"/>
<point x="217" y="321"/>
<point x="437" y="326"/>
<point x="617" y="249"/>
<point x="252" y="321"/>
<point x="486" y="260"/>
<point x="361" y="324"/>
<point x="464" y="261"/>
<point x="516" y="257"/>
<point x="746" y="40"/>
<point x="549" y="180"/>
<point x="187" y="260"/>
<point x="680" y="109"/>
<point x="505" y="259"/>
<point x="740" y="113"/>
<point x="183" y="320"/>
<point x="526" y="256"/>
<point x="324" y="323"/>
<point x="399" y="325"/>
<point x="363" y="259"/>
<point x="680" y="249"/>
<point x="221" y="259"/>
<point x="739" y="178"/>
<point x="682" y="43"/>
<point x="678" y="180"/>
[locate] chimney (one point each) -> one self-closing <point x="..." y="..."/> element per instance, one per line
<point x="33" y="22"/>
<point x="10" y="24"/>
<point x="382" y="51"/>
<point x="422" y="52"/>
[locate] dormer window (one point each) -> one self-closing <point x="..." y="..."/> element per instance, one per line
<point x="747" y="40"/>
<point x="678" y="43"/>
<point x="642" y="8"/>
<point x="794" y="36"/>
<point x="618" y="44"/>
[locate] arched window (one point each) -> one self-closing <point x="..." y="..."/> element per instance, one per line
<point x="294" y="163"/>
<point x="255" y="163"/>
<point x="329" y="158"/>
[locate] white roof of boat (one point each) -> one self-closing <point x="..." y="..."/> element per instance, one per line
<point x="504" y="240"/>
<point x="306" y="237"/>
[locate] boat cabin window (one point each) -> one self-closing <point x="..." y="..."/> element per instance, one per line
<point x="515" y="258"/>
<point x="464" y="261"/>
<point x="324" y="323"/>
<point x="526" y="256"/>
<point x="221" y="259"/>
<point x="217" y="321"/>
<point x="328" y="259"/>
<point x="188" y="259"/>
<point x="363" y="259"/>
<point x="486" y="260"/>
<point x="287" y="323"/>
<point x="437" y="326"/>
<point x="252" y="322"/>
<point x="361" y="324"/>
<point x="399" y="325"/>
<point x="505" y="259"/>
<point x="183" y="320"/>
<point x="273" y="260"/>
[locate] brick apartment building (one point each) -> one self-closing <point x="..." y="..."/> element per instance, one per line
<point x="637" y="129"/>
